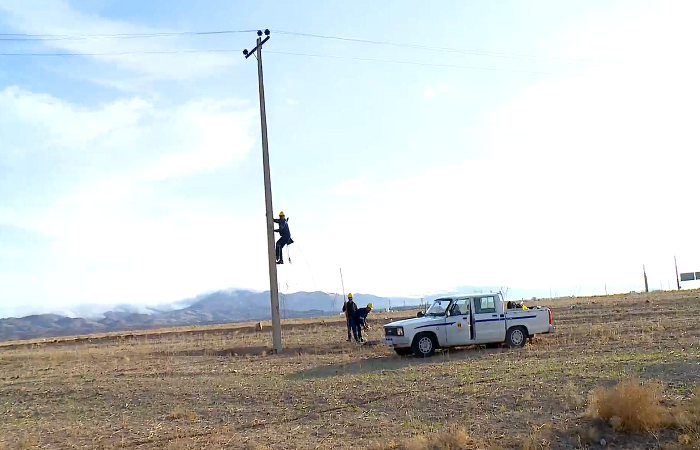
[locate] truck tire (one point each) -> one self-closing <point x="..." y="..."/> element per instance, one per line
<point x="424" y="345"/>
<point x="516" y="337"/>
<point x="403" y="351"/>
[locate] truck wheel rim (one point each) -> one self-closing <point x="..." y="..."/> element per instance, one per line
<point x="425" y="345"/>
<point x="517" y="337"/>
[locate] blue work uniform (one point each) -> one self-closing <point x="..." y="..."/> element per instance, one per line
<point x="350" y="308"/>
<point x="360" y="320"/>
<point x="285" y="237"/>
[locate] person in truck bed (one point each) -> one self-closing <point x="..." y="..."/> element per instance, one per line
<point x="515" y="305"/>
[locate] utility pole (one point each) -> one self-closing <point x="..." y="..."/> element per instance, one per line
<point x="678" y="281"/>
<point x="272" y="260"/>
<point x="342" y="284"/>
<point x="646" y="283"/>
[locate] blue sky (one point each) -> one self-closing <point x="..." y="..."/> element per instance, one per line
<point x="138" y="178"/>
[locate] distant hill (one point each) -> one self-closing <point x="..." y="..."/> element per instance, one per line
<point x="225" y="306"/>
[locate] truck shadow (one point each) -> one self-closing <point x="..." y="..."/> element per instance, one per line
<point x="392" y="363"/>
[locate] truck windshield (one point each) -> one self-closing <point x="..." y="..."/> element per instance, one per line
<point x="438" y="308"/>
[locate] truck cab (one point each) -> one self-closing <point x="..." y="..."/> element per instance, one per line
<point x="467" y="320"/>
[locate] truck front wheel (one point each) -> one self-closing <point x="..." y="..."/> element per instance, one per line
<point x="516" y="337"/>
<point x="424" y="345"/>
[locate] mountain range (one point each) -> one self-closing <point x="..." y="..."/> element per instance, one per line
<point x="224" y="306"/>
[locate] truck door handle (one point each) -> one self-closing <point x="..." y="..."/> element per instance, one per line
<point x="494" y="315"/>
<point x="502" y="315"/>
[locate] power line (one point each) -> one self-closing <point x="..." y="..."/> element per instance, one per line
<point x="169" y="52"/>
<point x="135" y="52"/>
<point x="443" y="49"/>
<point x="311" y="55"/>
<point x="61" y="37"/>
<point x="417" y="63"/>
<point x="64" y="37"/>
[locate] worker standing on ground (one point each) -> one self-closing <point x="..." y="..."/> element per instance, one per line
<point x="350" y="308"/>
<point x="361" y="320"/>
<point x="285" y="236"/>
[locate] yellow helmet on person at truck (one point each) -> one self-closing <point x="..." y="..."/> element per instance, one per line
<point x="281" y="213"/>
<point x="369" y="306"/>
<point x="350" y="296"/>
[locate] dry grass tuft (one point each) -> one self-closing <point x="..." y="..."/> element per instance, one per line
<point x="630" y="406"/>
<point x="539" y="438"/>
<point x="179" y="413"/>
<point x="686" y="419"/>
<point x="454" y="438"/>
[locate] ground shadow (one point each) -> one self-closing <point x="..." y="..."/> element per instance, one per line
<point x="596" y="434"/>
<point x="676" y="374"/>
<point x="391" y="363"/>
<point x="232" y="352"/>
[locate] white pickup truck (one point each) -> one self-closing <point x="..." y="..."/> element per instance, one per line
<point x="467" y="320"/>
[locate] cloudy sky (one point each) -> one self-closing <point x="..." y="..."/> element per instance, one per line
<point x="555" y="145"/>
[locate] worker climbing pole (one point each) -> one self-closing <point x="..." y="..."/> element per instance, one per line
<point x="285" y="237"/>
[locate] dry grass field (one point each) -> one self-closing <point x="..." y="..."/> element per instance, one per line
<point x="620" y="372"/>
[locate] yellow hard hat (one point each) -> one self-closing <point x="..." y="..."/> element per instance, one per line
<point x="281" y="213"/>
<point x="369" y="305"/>
<point x="350" y="295"/>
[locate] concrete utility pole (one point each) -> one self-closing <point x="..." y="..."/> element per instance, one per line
<point x="343" y="285"/>
<point x="678" y="281"/>
<point x="646" y="283"/>
<point x="274" y="292"/>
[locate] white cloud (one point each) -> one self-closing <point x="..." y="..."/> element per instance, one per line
<point x="292" y="102"/>
<point x="109" y="254"/>
<point x="57" y="17"/>
<point x="124" y="134"/>
<point x="112" y="237"/>
<point x="67" y="125"/>
<point x="429" y="94"/>
<point x="586" y="179"/>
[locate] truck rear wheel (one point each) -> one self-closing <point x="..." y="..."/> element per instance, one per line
<point x="516" y="337"/>
<point x="424" y="345"/>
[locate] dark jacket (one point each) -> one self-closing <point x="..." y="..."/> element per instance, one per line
<point x="350" y="308"/>
<point x="361" y="315"/>
<point x="283" y="227"/>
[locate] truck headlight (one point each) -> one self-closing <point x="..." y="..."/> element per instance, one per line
<point x="399" y="331"/>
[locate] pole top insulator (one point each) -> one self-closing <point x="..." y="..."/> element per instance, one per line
<point x="267" y="32"/>
<point x="259" y="33"/>
<point x="245" y="52"/>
